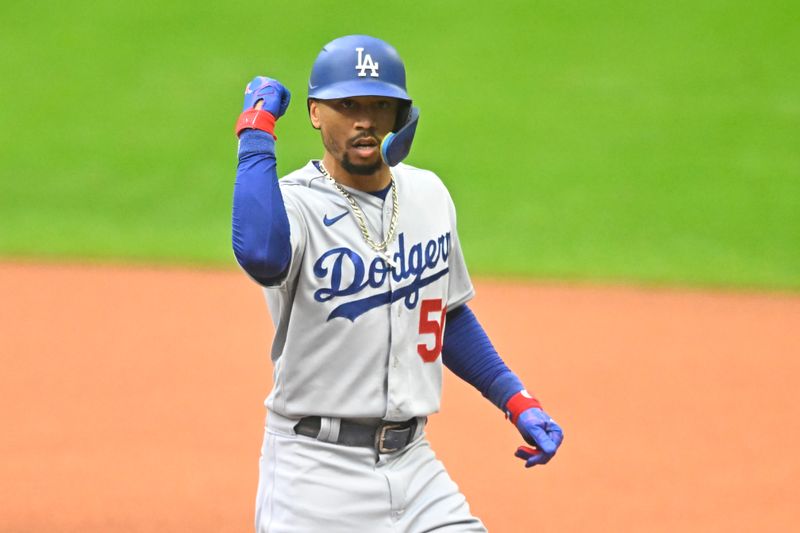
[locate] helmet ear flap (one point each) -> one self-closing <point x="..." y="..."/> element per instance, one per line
<point x="395" y="146"/>
<point x="403" y="115"/>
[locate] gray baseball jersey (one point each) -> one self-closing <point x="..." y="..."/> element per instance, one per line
<point x="355" y="337"/>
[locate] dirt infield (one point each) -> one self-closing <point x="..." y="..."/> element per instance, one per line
<point x="132" y="401"/>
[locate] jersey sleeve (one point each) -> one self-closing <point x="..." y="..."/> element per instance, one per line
<point x="460" y="288"/>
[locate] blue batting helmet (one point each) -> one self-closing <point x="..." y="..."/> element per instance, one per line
<point x="357" y="65"/>
<point x="360" y="65"/>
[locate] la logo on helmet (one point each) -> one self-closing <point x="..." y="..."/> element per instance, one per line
<point x="365" y="62"/>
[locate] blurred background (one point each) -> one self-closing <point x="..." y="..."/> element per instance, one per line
<point x="644" y="142"/>
<point x="610" y="162"/>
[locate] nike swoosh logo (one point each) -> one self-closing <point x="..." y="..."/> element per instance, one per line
<point x="331" y="221"/>
<point x="312" y="87"/>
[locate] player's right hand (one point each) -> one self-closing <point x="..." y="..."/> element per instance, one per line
<point x="267" y="94"/>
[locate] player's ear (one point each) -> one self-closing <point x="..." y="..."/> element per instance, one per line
<point x="313" y="113"/>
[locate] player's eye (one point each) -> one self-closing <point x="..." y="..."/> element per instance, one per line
<point x="384" y="104"/>
<point x="347" y="103"/>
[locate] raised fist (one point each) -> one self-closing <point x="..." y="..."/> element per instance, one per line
<point x="273" y="96"/>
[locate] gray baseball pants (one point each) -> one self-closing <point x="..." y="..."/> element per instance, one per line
<point x="309" y="486"/>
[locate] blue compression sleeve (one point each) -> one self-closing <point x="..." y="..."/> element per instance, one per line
<point x="260" y="237"/>
<point x="469" y="354"/>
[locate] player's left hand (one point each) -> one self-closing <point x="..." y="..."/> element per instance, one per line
<point x="541" y="431"/>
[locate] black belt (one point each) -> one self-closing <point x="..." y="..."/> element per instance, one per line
<point x="385" y="437"/>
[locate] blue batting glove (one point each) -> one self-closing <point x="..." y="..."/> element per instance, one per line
<point x="276" y="97"/>
<point x="541" y="431"/>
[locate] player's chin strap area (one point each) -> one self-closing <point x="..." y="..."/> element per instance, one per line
<point x="396" y="145"/>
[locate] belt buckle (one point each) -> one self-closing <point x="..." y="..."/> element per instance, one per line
<point x="380" y="436"/>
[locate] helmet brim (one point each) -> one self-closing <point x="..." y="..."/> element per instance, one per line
<point x="350" y="88"/>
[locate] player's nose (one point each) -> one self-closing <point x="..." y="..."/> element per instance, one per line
<point x="365" y="118"/>
<point x="364" y="123"/>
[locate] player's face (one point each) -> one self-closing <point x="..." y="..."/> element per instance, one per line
<point x="353" y="128"/>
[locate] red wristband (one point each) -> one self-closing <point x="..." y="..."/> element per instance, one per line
<point x="521" y="401"/>
<point x="257" y="119"/>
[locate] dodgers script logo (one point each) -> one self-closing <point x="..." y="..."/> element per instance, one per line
<point x="346" y="274"/>
<point x="365" y="62"/>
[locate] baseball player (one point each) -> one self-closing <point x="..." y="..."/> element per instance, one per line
<point x="364" y="276"/>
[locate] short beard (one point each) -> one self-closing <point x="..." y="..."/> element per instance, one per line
<point x="332" y="147"/>
<point x="361" y="170"/>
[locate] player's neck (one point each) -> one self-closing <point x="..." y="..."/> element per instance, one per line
<point x="367" y="183"/>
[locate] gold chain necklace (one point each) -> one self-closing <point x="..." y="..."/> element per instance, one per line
<point x="379" y="247"/>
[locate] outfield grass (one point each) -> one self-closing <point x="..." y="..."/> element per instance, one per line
<point x="650" y="142"/>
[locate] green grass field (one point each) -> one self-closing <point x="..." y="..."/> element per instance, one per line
<point x="645" y="142"/>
